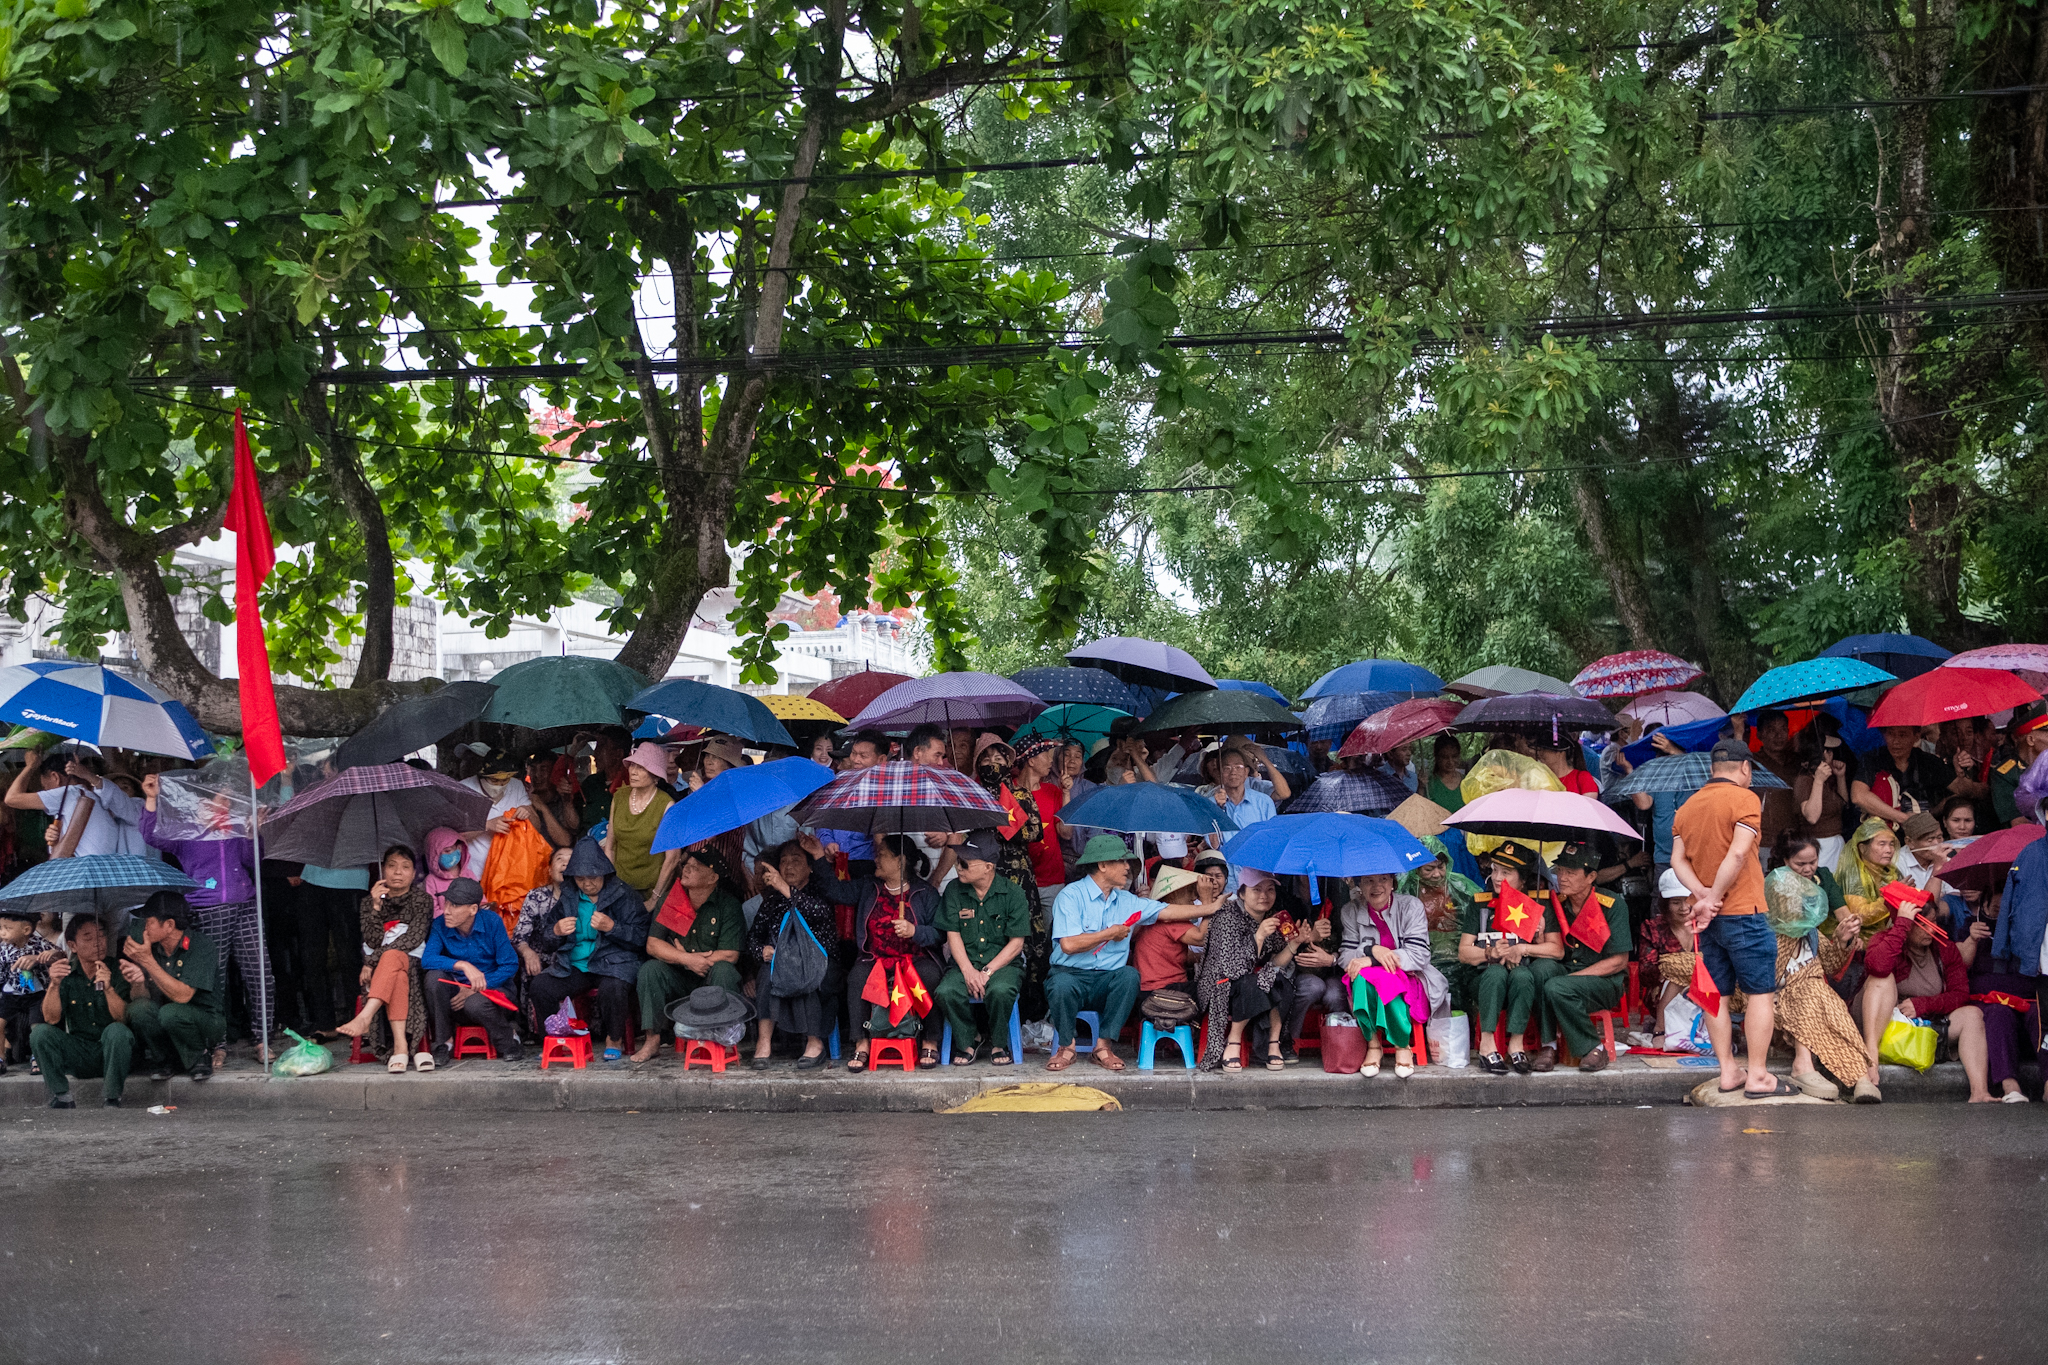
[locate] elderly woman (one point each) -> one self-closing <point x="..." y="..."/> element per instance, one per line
<point x="892" y="929"/>
<point x="1445" y="896"/>
<point x="637" y="809"/>
<point x="1505" y="955"/>
<point x="1384" y="955"/>
<point x="789" y="902"/>
<point x="396" y="916"/>
<point x="1864" y="872"/>
<point x="1247" y="948"/>
<point x="542" y="907"/>
<point x="597" y="943"/>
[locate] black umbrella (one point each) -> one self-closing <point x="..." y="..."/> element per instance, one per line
<point x="1220" y="711"/>
<point x="414" y="723"/>
<point x="1539" y="715"/>
<point x="351" y="819"/>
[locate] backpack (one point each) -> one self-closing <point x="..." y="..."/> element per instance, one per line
<point x="1170" y="1008"/>
<point x="800" y="960"/>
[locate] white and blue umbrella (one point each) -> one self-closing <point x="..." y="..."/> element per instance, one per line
<point x="100" y="706"/>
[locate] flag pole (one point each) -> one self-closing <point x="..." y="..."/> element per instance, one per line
<point x="263" y="997"/>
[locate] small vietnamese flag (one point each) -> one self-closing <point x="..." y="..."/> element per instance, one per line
<point x="255" y="557"/>
<point x="899" y="1001"/>
<point x="1514" y="913"/>
<point x="1703" y="991"/>
<point x="876" y="991"/>
<point x="920" y="998"/>
<point x="1590" y="925"/>
<point x="1127" y="924"/>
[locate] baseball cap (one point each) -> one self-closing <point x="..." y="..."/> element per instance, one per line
<point x="1732" y="751"/>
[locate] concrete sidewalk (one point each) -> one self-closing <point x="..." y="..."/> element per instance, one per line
<point x="477" y="1085"/>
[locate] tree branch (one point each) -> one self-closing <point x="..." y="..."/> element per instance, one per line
<point x="380" y="568"/>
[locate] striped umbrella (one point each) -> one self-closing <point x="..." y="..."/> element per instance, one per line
<point x="93" y="703"/>
<point x="1634" y="672"/>
<point x="107" y="883"/>
<point x="896" y="798"/>
<point x="352" y="818"/>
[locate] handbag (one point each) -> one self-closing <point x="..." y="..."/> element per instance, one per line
<point x="518" y="862"/>
<point x="1343" y="1050"/>
<point x="1907" y="1042"/>
<point x="1170" y="1008"/>
<point x="800" y="960"/>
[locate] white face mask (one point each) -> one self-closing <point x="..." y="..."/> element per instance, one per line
<point x="494" y="787"/>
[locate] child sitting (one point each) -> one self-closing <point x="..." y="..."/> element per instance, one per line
<point x="25" y="957"/>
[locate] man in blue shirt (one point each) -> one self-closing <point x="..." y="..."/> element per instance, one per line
<point x="1092" y="923"/>
<point x="472" y="949"/>
<point x="1240" y="800"/>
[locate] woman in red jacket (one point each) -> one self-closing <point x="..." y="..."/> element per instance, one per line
<point x="1915" y="968"/>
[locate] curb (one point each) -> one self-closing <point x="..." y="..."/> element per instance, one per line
<point x="662" y="1086"/>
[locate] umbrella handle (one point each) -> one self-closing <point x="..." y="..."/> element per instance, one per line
<point x="1315" y="891"/>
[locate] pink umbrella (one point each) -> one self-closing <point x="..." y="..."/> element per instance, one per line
<point x="1398" y="724"/>
<point x="2029" y="661"/>
<point x="1634" y="672"/>
<point x="1672" y="708"/>
<point x="1983" y="865"/>
<point x="1543" y="816"/>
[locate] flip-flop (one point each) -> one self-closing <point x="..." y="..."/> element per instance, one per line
<point x="1779" y="1090"/>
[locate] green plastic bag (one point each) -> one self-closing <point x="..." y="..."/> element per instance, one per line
<point x="303" y="1058"/>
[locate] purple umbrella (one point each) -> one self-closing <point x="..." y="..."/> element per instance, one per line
<point x="1543" y="816"/>
<point x="1538" y="714"/>
<point x="1145" y="663"/>
<point x="949" y="699"/>
<point x="351" y="819"/>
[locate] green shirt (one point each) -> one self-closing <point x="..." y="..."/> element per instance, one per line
<point x="1477" y="917"/>
<point x="1577" y="956"/>
<point x="1450" y="798"/>
<point x="195" y="961"/>
<point x="719" y="926"/>
<point x="985" y="925"/>
<point x="85" y="1010"/>
<point x="2005" y="788"/>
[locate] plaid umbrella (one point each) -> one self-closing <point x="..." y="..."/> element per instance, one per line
<point x="353" y="818"/>
<point x="1374" y="790"/>
<point x="1682" y="773"/>
<point x="896" y="798"/>
<point x="1634" y="672"/>
<point x="1333" y="716"/>
<point x="1537" y="714"/>
<point x="104" y="884"/>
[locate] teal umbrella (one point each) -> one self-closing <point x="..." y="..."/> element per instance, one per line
<point x="1082" y="722"/>
<point x="557" y="690"/>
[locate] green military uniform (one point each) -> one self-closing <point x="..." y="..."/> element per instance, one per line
<point x="184" y="1032"/>
<point x="2006" y="772"/>
<point x="719" y="927"/>
<point x="90" y="1042"/>
<point x="1494" y="988"/>
<point x="1573" y="999"/>
<point x="985" y="925"/>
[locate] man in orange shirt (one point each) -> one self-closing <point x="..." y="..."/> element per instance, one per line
<point x="1714" y="851"/>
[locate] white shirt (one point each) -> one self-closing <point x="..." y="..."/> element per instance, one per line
<point x="102" y="832"/>
<point x="480" y="847"/>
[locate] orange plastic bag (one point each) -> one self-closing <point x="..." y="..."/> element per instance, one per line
<point x="518" y="862"/>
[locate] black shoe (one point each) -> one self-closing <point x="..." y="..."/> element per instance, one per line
<point x="810" y="1063"/>
<point x="1495" y="1064"/>
<point x="1520" y="1062"/>
<point x="204" y="1070"/>
<point x="515" y="1053"/>
<point x="113" y="1101"/>
<point x="160" y="1072"/>
<point x="760" y="1063"/>
<point x="63" y="1102"/>
<point x="3" y="1066"/>
<point x="1287" y="1055"/>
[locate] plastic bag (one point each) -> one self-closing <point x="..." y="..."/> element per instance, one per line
<point x="518" y="862"/>
<point x="563" y="1023"/>
<point x="1685" y="1027"/>
<point x="1497" y="770"/>
<point x="1450" y="1039"/>
<point x="1793" y="904"/>
<point x="1907" y="1042"/>
<point x="303" y="1058"/>
<point x="728" y="1034"/>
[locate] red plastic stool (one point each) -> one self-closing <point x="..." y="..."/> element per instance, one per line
<point x="473" y="1040"/>
<point x="574" y="1050"/>
<point x="357" y="1053"/>
<point x="892" y="1052"/>
<point x="1310" y="1039"/>
<point x="704" y="1052"/>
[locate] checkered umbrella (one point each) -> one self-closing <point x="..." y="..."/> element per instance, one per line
<point x="353" y="818"/>
<point x="1334" y="715"/>
<point x="897" y="798"/>
<point x="1375" y="790"/>
<point x="1685" y="773"/>
<point x="96" y="704"/>
<point x="98" y="885"/>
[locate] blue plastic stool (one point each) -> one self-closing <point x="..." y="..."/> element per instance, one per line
<point x="1016" y="1039"/>
<point x="1094" y="1023"/>
<point x="1183" y="1037"/>
<point x="833" y="1042"/>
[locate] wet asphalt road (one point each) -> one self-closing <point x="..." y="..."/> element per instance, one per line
<point x="1907" y="1233"/>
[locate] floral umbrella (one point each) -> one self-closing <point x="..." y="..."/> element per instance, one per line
<point x="1634" y="672"/>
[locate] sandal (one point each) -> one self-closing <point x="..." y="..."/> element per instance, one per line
<point x="422" y="1061"/>
<point x="1230" y="1061"/>
<point x="1001" y="1057"/>
<point x="396" y="1066"/>
<point x="1104" y="1058"/>
<point x="967" y="1059"/>
<point x="928" y="1057"/>
<point x="1060" y="1060"/>
<point x="1274" y="1061"/>
<point x="858" y="1061"/>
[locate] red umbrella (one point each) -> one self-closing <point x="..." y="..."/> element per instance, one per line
<point x="1983" y="865"/>
<point x="850" y="695"/>
<point x="1398" y="724"/>
<point x="1634" y="672"/>
<point x="1950" y="694"/>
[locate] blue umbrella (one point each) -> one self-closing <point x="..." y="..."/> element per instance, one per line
<point x="1078" y="685"/>
<point x="1334" y="715"/>
<point x="1327" y="845"/>
<point x="1811" y="681"/>
<point x="654" y="727"/>
<point x="93" y="885"/>
<point x="1247" y="685"/>
<point x="736" y="798"/>
<point x="98" y="705"/>
<point x="1903" y="656"/>
<point x="1148" y="808"/>
<point x="714" y="708"/>
<point x="1377" y="675"/>
<point x="1695" y="736"/>
<point x="1144" y="663"/>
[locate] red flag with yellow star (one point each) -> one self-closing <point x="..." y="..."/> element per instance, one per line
<point x="1702" y="990"/>
<point x="1590" y="925"/>
<point x="899" y="999"/>
<point x="1514" y="913"/>
<point x="920" y="998"/>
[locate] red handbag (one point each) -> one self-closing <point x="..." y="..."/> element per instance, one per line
<point x="1343" y="1049"/>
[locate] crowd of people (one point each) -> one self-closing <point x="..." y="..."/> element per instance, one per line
<point x="1814" y="910"/>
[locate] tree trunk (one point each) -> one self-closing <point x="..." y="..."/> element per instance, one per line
<point x="1624" y="575"/>
<point x="380" y="569"/>
<point x="2009" y="153"/>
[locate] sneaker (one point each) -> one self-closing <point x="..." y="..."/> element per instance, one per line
<point x="63" y="1102"/>
<point x="514" y="1053"/>
<point x="204" y="1070"/>
<point x="113" y="1101"/>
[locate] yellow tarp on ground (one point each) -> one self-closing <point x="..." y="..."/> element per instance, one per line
<point x="1037" y="1097"/>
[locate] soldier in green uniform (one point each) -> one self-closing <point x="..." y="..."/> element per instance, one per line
<point x="985" y="920"/>
<point x="2026" y="740"/>
<point x="180" y="1019"/>
<point x="1596" y="948"/>
<point x="705" y="953"/>
<point x="83" y="1011"/>
<point x="1502" y="977"/>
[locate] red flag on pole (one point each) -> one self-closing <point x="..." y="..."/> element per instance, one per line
<point x="1703" y="991"/>
<point x="899" y="999"/>
<point x="262" y="736"/>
